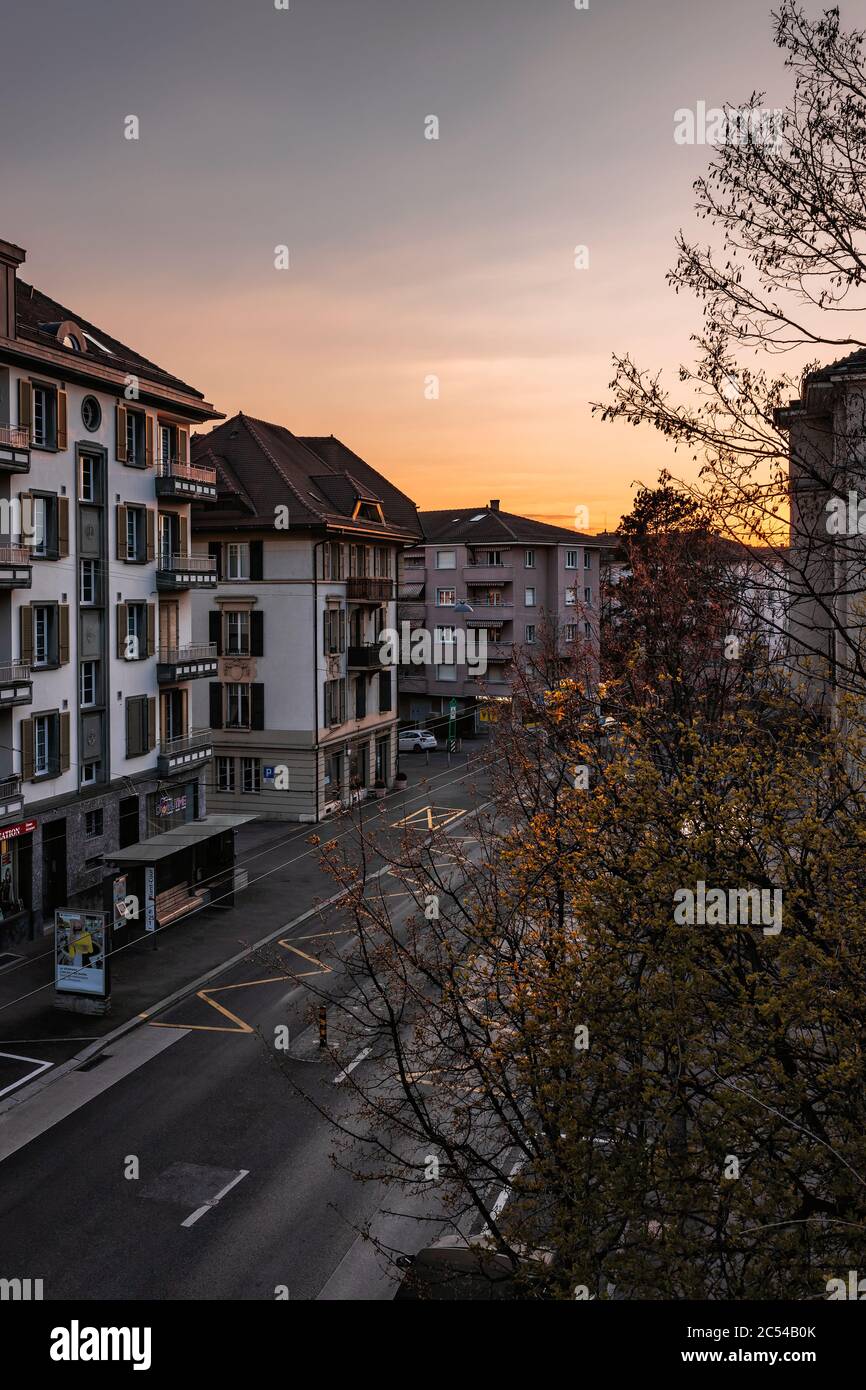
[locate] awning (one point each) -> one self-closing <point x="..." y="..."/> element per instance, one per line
<point x="408" y="592"/>
<point x="173" y="841"/>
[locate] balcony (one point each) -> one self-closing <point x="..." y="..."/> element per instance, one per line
<point x="186" y="482"/>
<point x="11" y="797"/>
<point x="175" y="572"/>
<point x="16" y="685"/>
<point x="15" y="567"/>
<point x="367" y="657"/>
<point x="15" y="448"/>
<point x="361" y="589"/>
<point x="191" y="751"/>
<point x="187" y="663"/>
<point x="489" y="574"/>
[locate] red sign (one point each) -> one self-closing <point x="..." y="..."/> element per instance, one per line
<point x="11" y="832"/>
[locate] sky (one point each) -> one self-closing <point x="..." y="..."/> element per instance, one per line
<point x="408" y="258"/>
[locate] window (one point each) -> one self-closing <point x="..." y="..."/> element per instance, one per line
<point x="138" y="722"/>
<point x="237" y="634"/>
<point x="587" y="630"/>
<point x="136" y="533"/>
<point x="446" y="598"/>
<point x="45" y="635"/>
<point x="529" y="598"/>
<point x="335" y="702"/>
<point x="93" y="823"/>
<point x="571" y="632"/>
<point x="91" y="414"/>
<point x="446" y="559"/>
<point x="587" y="597"/>
<point x="238" y="561"/>
<point x="333" y="775"/>
<point x="385" y="695"/>
<point x="237" y="706"/>
<point x="135" y="438"/>
<point x="571" y="559"/>
<point x="166" y="444"/>
<point x="332" y="561"/>
<point x="529" y="559"/>
<point x="87" y="589"/>
<point x="43" y="515"/>
<point x="587" y="559"/>
<point x="493" y="557"/>
<point x="42" y="744"/>
<point x="87" y="684"/>
<point x="225" y="768"/>
<point x="529" y="633"/>
<point x="89" y="482"/>
<point x="44" y="417"/>
<point x="334" y="631"/>
<point x="360" y="697"/>
<point x="251" y="773"/>
<point x="446" y="671"/>
<point x="570" y="597"/>
<point x="383" y="759"/>
<point x="382" y="562"/>
<point x="136" y="631"/>
<point x="90" y="774"/>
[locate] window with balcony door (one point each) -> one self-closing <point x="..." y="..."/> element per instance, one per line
<point x="44" y="427"/>
<point x="237" y="706"/>
<point x="136" y="438"/>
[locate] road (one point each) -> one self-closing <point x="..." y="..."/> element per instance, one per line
<point x="181" y="1163"/>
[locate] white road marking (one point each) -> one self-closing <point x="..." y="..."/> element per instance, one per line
<point x="191" y="1220"/>
<point x="38" y="1068"/>
<point x="352" y="1065"/>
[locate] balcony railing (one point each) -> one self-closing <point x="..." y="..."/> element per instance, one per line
<point x="194" y="651"/>
<point x="195" y="741"/>
<point x="367" y="657"/>
<point x="364" y="589"/>
<point x="192" y="472"/>
<point x="14" y="671"/>
<point x="198" y="564"/>
<point x="15" y="555"/>
<point x="10" y="789"/>
<point x="15" y="436"/>
<point x="185" y="571"/>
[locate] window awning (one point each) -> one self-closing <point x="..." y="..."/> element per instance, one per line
<point x="173" y="841"/>
<point x="410" y="591"/>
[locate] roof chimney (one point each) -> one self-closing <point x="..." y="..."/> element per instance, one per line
<point x="494" y="504"/>
<point x="11" y="256"/>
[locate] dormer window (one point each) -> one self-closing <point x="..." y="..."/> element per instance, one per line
<point x="73" y="342"/>
<point x="368" y="511"/>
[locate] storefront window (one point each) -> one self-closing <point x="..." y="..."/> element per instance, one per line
<point x="173" y="807"/>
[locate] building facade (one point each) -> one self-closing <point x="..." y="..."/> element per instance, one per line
<point x="97" y="750"/>
<point x="305" y="538"/>
<point x="482" y="571"/>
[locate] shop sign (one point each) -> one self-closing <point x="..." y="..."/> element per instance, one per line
<point x="11" y="832"/>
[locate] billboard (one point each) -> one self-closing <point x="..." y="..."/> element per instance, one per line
<point x="80" y="953"/>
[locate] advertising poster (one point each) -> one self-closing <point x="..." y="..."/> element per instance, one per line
<point x="80" y="944"/>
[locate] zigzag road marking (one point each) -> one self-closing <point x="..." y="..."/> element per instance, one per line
<point x="240" y="1026"/>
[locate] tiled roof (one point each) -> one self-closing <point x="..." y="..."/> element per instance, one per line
<point x="38" y="319"/>
<point x="854" y="362"/>
<point x="484" y="526"/>
<point x="261" y="466"/>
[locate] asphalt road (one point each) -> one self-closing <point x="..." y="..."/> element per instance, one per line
<point x="182" y="1164"/>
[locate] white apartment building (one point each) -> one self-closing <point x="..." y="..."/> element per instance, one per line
<point x="305" y="538"/>
<point x="98" y="756"/>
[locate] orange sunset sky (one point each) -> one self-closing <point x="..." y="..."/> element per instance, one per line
<point x="409" y="257"/>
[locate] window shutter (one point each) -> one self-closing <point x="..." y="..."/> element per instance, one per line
<point x="62" y="526"/>
<point x="120" y="513"/>
<point x="257" y="634"/>
<point x="216" y="705"/>
<point x="63" y="633"/>
<point x="151" y="723"/>
<point x="256" y="566"/>
<point x="26" y="620"/>
<point x="182" y="446"/>
<point x="184" y="535"/>
<point x="214" y="622"/>
<point x="25" y="524"/>
<point x="257" y="705"/>
<point x="62" y="433"/>
<point x="27" y="762"/>
<point x="120" y="433"/>
<point x="64" y="741"/>
<point x="122" y="629"/>
<point x="151" y="533"/>
<point x="148" y="441"/>
<point x="215" y="551"/>
<point x="131" y="741"/>
<point x="151" y="632"/>
<point x="342" y="630"/>
<point x="25" y="412"/>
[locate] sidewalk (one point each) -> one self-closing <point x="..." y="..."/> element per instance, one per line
<point x="285" y="880"/>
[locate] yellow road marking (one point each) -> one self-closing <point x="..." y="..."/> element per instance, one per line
<point x="430" y="818"/>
